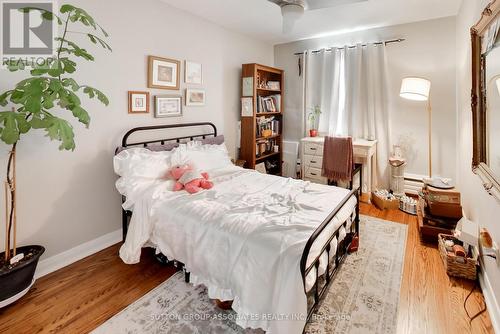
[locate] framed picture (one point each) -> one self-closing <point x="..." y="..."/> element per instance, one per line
<point x="163" y="73"/>
<point x="246" y="107"/>
<point x="193" y="73"/>
<point x="138" y="102"/>
<point x="195" y="97"/>
<point x="247" y="86"/>
<point x="168" y="106"/>
<point x="273" y="85"/>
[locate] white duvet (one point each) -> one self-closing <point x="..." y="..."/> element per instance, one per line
<point x="243" y="239"/>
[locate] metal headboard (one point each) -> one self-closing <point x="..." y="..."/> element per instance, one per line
<point x="126" y="213"/>
<point x="162" y="141"/>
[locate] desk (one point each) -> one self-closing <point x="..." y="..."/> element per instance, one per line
<point x="365" y="152"/>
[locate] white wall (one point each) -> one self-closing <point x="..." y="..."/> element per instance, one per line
<point x="68" y="198"/>
<point x="429" y="51"/>
<point x="478" y="205"/>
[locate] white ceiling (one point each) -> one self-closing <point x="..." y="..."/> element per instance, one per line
<point x="262" y="19"/>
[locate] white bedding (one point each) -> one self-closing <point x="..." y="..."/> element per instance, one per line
<point x="243" y="239"/>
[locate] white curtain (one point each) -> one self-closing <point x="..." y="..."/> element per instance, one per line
<point x="350" y="86"/>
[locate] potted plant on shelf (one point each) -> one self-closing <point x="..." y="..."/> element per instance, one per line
<point x="313" y="119"/>
<point x="50" y="86"/>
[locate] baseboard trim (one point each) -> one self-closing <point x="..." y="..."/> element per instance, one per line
<point x="72" y="255"/>
<point x="490" y="300"/>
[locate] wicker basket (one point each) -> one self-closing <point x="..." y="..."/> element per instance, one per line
<point x="455" y="265"/>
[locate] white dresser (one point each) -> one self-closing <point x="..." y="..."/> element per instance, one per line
<point x="365" y="152"/>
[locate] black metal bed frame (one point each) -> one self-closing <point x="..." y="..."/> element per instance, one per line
<point x="342" y="247"/>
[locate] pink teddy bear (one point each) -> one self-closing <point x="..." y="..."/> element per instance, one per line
<point x="188" y="178"/>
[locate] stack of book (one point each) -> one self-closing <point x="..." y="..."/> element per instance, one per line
<point x="440" y="211"/>
<point x="270" y="103"/>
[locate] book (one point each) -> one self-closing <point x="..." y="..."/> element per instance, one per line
<point x="267" y="104"/>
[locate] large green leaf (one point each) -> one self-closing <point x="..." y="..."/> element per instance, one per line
<point x="82" y="115"/>
<point x="46" y="14"/>
<point x="13" y="124"/>
<point x="92" y="92"/>
<point x="59" y="129"/>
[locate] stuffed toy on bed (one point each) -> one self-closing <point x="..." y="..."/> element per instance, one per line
<point x="187" y="177"/>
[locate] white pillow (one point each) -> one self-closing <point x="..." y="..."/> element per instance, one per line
<point x="204" y="157"/>
<point x="141" y="162"/>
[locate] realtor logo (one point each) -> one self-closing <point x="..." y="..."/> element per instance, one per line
<point x="26" y="36"/>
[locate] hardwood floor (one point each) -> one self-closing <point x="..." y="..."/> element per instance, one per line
<point x="80" y="297"/>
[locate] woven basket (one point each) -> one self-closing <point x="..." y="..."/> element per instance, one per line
<point x="455" y="265"/>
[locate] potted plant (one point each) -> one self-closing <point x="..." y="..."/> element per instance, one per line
<point x="28" y="105"/>
<point x="313" y="119"/>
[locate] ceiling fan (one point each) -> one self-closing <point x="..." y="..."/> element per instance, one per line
<point x="292" y="10"/>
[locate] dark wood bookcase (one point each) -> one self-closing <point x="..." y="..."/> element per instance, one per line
<point x="264" y="94"/>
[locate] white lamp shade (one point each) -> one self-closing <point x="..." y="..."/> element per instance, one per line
<point x="291" y="13"/>
<point x="416" y="89"/>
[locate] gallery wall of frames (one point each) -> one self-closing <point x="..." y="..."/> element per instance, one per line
<point x="165" y="73"/>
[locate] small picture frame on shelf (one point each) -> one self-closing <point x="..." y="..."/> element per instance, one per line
<point x="138" y="102"/>
<point x="168" y="106"/>
<point x="193" y="73"/>
<point x="273" y="85"/>
<point x="195" y="97"/>
<point x="163" y="73"/>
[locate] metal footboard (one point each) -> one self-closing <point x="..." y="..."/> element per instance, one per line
<point x="323" y="281"/>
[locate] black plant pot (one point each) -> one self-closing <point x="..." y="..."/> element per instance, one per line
<point x="15" y="280"/>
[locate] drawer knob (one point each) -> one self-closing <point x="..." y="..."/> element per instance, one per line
<point x="313" y="148"/>
<point x="313" y="161"/>
<point x="313" y="174"/>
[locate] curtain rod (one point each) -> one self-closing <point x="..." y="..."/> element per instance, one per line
<point x="399" y="40"/>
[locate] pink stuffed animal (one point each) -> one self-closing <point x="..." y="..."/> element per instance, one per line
<point x="188" y="178"/>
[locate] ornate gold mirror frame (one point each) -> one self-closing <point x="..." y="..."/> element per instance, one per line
<point x="479" y="127"/>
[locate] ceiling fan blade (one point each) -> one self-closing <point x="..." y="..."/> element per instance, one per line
<point x="320" y="4"/>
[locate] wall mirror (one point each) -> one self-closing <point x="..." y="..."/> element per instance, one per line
<point x="486" y="98"/>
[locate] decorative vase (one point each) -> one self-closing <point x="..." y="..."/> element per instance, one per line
<point x="313" y="133"/>
<point x="18" y="279"/>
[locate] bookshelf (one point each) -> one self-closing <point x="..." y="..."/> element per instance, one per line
<point x="262" y="117"/>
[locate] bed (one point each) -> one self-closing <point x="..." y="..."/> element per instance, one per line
<point x="272" y="245"/>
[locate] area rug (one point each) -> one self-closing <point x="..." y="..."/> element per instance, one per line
<point x="363" y="298"/>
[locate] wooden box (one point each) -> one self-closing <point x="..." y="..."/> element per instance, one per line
<point x="384" y="203"/>
<point x="450" y="196"/>
<point x="430" y="227"/>
<point x="445" y="210"/>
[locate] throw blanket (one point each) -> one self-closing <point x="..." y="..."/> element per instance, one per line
<point x="338" y="159"/>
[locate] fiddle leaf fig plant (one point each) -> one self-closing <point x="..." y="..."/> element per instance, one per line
<point x="51" y="86"/>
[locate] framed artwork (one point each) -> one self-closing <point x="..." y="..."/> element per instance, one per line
<point x="247" y="86"/>
<point x="195" y="97"/>
<point x="193" y="73"/>
<point x="246" y="107"/>
<point x="138" y="102"/>
<point x="163" y="73"/>
<point x="168" y="106"/>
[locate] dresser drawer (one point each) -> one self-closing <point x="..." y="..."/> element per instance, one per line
<point x="313" y="161"/>
<point x="313" y="149"/>
<point x="313" y="173"/>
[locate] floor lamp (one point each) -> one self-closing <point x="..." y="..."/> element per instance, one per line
<point x="418" y="89"/>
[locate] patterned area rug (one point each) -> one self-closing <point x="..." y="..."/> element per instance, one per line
<point x="363" y="298"/>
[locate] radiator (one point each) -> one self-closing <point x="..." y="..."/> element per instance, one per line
<point x="413" y="183"/>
